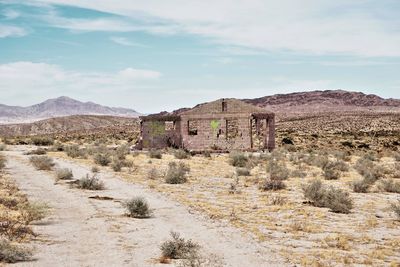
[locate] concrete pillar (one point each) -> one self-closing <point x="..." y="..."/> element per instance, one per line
<point x="266" y="134"/>
<point x="271" y="133"/>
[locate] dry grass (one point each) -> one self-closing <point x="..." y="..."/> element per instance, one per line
<point x="284" y="222"/>
<point x="16" y="215"/>
<point x="43" y="163"/>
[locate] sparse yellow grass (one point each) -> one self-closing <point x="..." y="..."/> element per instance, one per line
<point x="301" y="233"/>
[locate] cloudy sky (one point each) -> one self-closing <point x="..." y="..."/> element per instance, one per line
<point x="154" y="55"/>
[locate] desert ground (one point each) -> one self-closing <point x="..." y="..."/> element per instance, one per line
<point x="241" y="209"/>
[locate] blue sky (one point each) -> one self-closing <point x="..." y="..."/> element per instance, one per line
<point x="160" y="55"/>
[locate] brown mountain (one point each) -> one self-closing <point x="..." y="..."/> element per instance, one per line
<point x="70" y="124"/>
<point x="325" y="101"/>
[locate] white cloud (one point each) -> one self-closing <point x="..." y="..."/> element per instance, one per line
<point x="11" y="31"/>
<point x="11" y="14"/>
<point x="125" y="42"/>
<point x="309" y="26"/>
<point x="35" y="80"/>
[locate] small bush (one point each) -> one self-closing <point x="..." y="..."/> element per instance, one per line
<point x="90" y="183"/>
<point x="3" y="147"/>
<point x="42" y="141"/>
<point x="242" y="171"/>
<point x="396" y="208"/>
<point x="117" y="165"/>
<point x="64" y="174"/>
<point x="333" y="198"/>
<point x="33" y="211"/>
<point x="176" y="173"/>
<point x="178" y="248"/>
<point x="181" y="154"/>
<point x="389" y="185"/>
<point x="278" y="200"/>
<point x="2" y="162"/>
<point x="74" y="151"/>
<point x="121" y="152"/>
<point x="39" y="151"/>
<point x="396" y="156"/>
<point x="102" y="159"/>
<point x="42" y="162"/>
<point x="10" y="253"/>
<point x="152" y="174"/>
<point x="137" y="207"/>
<point x="277" y="170"/>
<point x="95" y="169"/>
<point x="155" y="154"/>
<point x="272" y="184"/>
<point x="237" y="159"/>
<point x="360" y="186"/>
<point x="331" y="173"/>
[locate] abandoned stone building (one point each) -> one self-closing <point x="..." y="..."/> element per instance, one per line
<point x="221" y="125"/>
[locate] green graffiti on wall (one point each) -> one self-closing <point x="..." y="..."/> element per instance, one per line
<point x="214" y="125"/>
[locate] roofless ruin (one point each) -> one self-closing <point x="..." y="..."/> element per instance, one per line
<point x="221" y="125"/>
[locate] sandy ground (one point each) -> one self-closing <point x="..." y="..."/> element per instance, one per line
<point x="88" y="232"/>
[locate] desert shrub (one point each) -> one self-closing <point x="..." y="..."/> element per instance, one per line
<point x="10" y="253"/>
<point x="39" y="151"/>
<point x="278" y="200"/>
<point x="178" y="248"/>
<point x="33" y="211"/>
<point x="237" y="159"/>
<point x="395" y="207"/>
<point x="155" y="154"/>
<point x="277" y="170"/>
<point x="342" y="155"/>
<point x="90" y="183"/>
<point x="242" y="171"/>
<point x="64" y="174"/>
<point x="176" y="173"/>
<point x="42" y="162"/>
<point x="338" y="200"/>
<point x="389" y="185"/>
<point x="3" y="147"/>
<point x="3" y="161"/>
<point x="360" y="186"/>
<point x="333" y="198"/>
<point x="370" y="156"/>
<point x="181" y="154"/>
<point x="272" y="184"/>
<point x="102" y="159"/>
<point x="42" y="141"/>
<point x="74" y="151"/>
<point x="396" y="156"/>
<point x="298" y="174"/>
<point x="137" y="207"/>
<point x="117" y="165"/>
<point x="320" y="161"/>
<point x="339" y="165"/>
<point x="95" y="169"/>
<point x="121" y="152"/>
<point x="152" y="174"/>
<point x="330" y="173"/>
<point x="369" y="170"/>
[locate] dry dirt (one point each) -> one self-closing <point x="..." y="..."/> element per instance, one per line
<point x="296" y="231"/>
<point x="81" y="231"/>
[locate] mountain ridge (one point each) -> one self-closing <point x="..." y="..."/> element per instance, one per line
<point x="59" y="107"/>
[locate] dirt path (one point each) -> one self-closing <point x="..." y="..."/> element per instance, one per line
<point x="87" y="232"/>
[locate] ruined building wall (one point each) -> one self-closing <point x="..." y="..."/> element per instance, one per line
<point x="160" y="134"/>
<point x="216" y="133"/>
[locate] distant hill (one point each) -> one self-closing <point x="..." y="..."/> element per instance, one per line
<point x="70" y="124"/>
<point x="325" y="101"/>
<point x="59" y="107"/>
